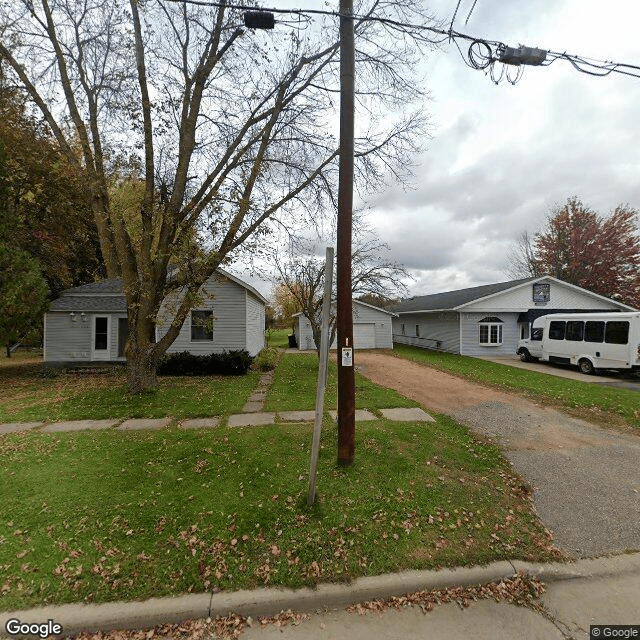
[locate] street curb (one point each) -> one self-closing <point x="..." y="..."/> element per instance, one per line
<point x="76" y="618"/>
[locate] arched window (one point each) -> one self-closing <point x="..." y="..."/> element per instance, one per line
<point x="490" y="331"/>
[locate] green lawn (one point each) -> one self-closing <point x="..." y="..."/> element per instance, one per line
<point x="295" y="383"/>
<point x="278" y="337"/>
<point x="104" y="516"/>
<point x="82" y="396"/>
<point x="590" y="399"/>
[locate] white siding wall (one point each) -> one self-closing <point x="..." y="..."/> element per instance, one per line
<point x="440" y="326"/>
<point x="113" y="337"/>
<point x="361" y="314"/>
<point x="470" y="332"/>
<point x="67" y="341"/>
<point x="383" y="324"/>
<point x="229" y="320"/>
<point x="521" y="299"/>
<point x="304" y="335"/>
<point x="255" y="324"/>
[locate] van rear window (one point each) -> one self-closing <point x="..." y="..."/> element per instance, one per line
<point x="617" y="332"/>
<point x="556" y="329"/>
<point x="594" y="331"/>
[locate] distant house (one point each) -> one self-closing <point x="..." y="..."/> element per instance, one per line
<point x="489" y="320"/>
<point x="372" y="328"/>
<point x="89" y="323"/>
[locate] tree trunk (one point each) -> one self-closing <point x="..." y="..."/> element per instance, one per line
<point x="142" y="359"/>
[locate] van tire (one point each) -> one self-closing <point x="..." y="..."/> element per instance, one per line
<point x="586" y="367"/>
<point x="525" y="356"/>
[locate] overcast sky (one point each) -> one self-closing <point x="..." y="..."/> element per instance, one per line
<point x="502" y="156"/>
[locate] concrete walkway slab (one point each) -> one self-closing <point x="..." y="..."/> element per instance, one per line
<point x="80" y="425"/>
<point x="200" y="423"/>
<point x="407" y="414"/>
<point x="253" y="407"/>
<point x="136" y="424"/>
<point x="297" y="416"/>
<point x="251" y="419"/>
<point x="362" y="415"/>
<point x="17" y="427"/>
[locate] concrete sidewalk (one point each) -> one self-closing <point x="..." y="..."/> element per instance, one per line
<point x="248" y="419"/>
<point x="596" y="591"/>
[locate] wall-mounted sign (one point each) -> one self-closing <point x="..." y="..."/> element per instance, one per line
<point x="541" y="293"/>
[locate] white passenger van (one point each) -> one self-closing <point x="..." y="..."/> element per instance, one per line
<point x="589" y="340"/>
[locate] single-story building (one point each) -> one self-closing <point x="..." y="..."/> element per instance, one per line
<point x="89" y="323"/>
<point x="489" y="319"/>
<point x="372" y="328"/>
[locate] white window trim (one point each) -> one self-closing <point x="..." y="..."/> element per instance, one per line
<point x="499" y="326"/>
<point x="100" y="354"/>
<point x="191" y="339"/>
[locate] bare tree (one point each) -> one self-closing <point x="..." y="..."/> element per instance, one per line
<point x="521" y="262"/>
<point x="302" y="276"/>
<point x="230" y="131"/>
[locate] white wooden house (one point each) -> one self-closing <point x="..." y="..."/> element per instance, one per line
<point x="89" y="323"/>
<point x="372" y="328"/>
<point x="489" y="320"/>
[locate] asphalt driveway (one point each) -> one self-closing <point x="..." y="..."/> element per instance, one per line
<point x="586" y="479"/>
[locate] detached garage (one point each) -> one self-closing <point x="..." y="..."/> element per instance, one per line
<point x="372" y="328"/>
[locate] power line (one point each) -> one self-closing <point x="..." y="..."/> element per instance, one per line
<point x="482" y="53"/>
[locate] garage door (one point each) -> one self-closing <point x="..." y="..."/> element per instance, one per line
<point x="364" y="335"/>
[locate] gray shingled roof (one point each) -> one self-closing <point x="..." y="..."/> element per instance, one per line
<point x="107" y="296"/>
<point x="453" y="299"/>
<point x="93" y="304"/>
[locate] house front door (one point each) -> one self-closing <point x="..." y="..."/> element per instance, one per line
<point x="100" y="338"/>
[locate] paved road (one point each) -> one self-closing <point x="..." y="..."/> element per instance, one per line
<point x="586" y="479"/>
<point x="571" y="606"/>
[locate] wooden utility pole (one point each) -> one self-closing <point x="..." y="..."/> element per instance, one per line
<point x="344" y="311"/>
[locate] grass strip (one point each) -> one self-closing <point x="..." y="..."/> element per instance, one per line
<point x="86" y="396"/>
<point x="295" y="384"/>
<point x="104" y="516"/>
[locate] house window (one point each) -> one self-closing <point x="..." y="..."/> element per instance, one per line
<point x="201" y="325"/>
<point x="417" y="331"/>
<point x="490" y="331"/>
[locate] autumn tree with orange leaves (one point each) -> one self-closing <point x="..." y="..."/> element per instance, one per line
<point x="601" y="254"/>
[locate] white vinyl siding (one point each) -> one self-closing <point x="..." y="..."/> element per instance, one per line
<point x="69" y="341"/>
<point x="438" y="330"/>
<point x="521" y="299"/>
<point x="371" y="329"/>
<point x="255" y="325"/>
<point x="470" y="332"/>
<point x="238" y="320"/>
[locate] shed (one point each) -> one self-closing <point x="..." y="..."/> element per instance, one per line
<point x="490" y="319"/>
<point x="89" y="323"/>
<point x="372" y="328"/>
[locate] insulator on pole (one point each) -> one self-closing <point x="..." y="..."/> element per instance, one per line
<point x="259" y="20"/>
<point x="522" y="55"/>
